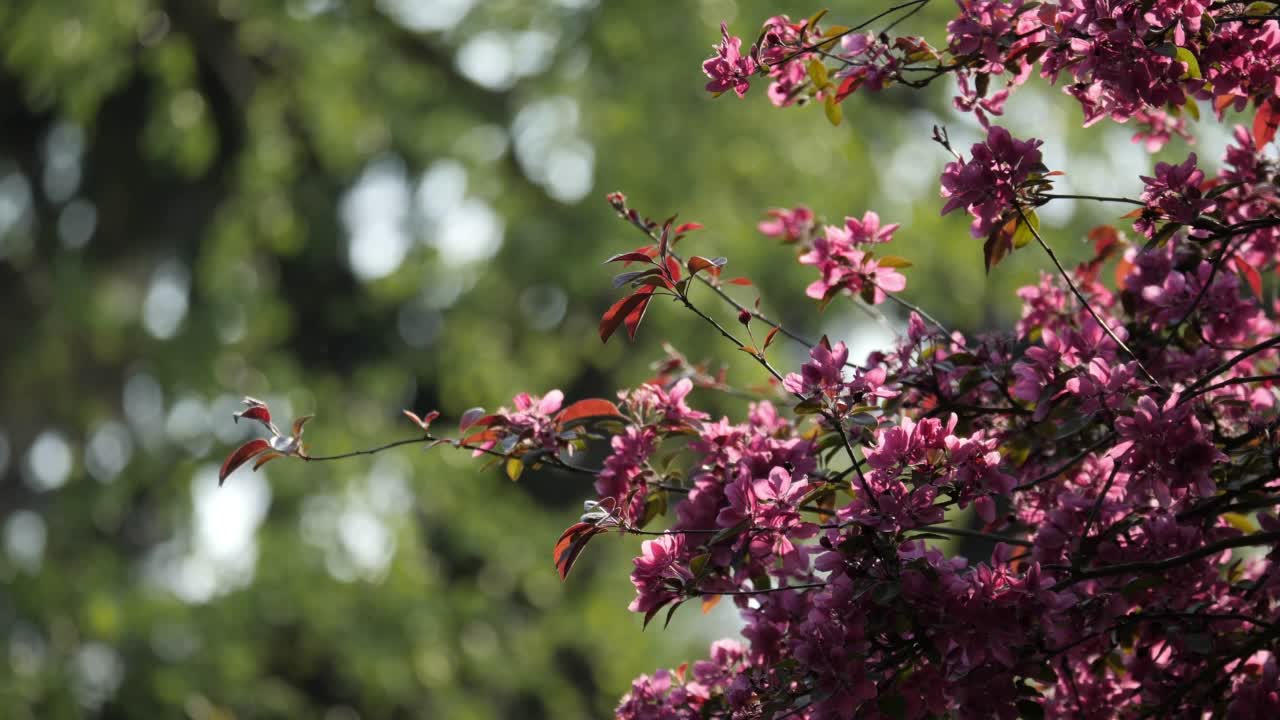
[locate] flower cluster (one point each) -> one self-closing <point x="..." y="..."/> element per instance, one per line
<point x="987" y="184"/>
<point x="1123" y="60"/>
<point x="844" y="267"/>
<point x="729" y="69"/>
<point x="1173" y="195"/>
<point x="1113" y="448"/>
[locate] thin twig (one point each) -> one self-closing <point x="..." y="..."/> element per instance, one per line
<point x="1067" y="465"/>
<point x="1083" y="301"/>
<point x="1266" y="538"/>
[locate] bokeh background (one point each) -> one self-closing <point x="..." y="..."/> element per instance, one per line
<point x="350" y="207"/>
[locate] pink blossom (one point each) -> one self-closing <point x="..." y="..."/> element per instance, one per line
<point x="844" y="268"/>
<point x="789" y="225"/>
<point x="1156" y="127"/>
<point x="729" y="69"/>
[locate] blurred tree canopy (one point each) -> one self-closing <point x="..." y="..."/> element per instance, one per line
<point x="349" y="207"/>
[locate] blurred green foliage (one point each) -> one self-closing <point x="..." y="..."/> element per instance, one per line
<point x="349" y="207"/>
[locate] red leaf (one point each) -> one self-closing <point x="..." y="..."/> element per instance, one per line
<point x="768" y="339"/>
<point x="847" y="87"/>
<point x="265" y="458"/>
<point x="649" y="615"/>
<point x="571" y="544"/>
<point x="242" y="455"/>
<point x="999" y="244"/>
<point x="709" y="601"/>
<point x="1123" y="268"/>
<point x="254" y="412"/>
<point x="635" y="316"/>
<point x="673" y="270"/>
<point x="621" y="310"/>
<point x="481" y="437"/>
<point x="299" y="424"/>
<point x="1266" y="122"/>
<point x="687" y="227"/>
<point x="594" y="407"/>
<point x="697" y="264"/>
<point x="1250" y="274"/>
<point x="739" y="281"/>
<point x="1105" y="240"/>
<point x="630" y="257"/>
<point x="423" y="422"/>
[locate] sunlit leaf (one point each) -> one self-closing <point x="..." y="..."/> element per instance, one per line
<point x="571" y="544"/>
<point x="1250" y="275"/>
<point x="242" y="454"/>
<point x="254" y="412"/>
<point x="768" y="339"/>
<point x="818" y="73"/>
<point x="831" y="107"/>
<point x="698" y="263"/>
<point x="1266" y="121"/>
<point x="1026" y="230"/>
<point x="636" y="315"/>
<point x="1185" y="56"/>
<point x="590" y="408"/>
<point x="264" y="459"/>
<point x="299" y="424"/>
<point x="618" y="312"/>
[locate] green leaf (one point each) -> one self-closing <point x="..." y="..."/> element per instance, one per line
<point x="698" y="564"/>
<point x="1193" y="109"/>
<point x="654" y="505"/>
<point x="1193" y="66"/>
<point x="818" y="73"/>
<point x="832" y="109"/>
<point x="893" y="261"/>
<point x="515" y="467"/>
<point x="815" y="19"/>
<point x="810" y="406"/>
<point x="1162" y="235"/>
<point x="1024" y="234"/>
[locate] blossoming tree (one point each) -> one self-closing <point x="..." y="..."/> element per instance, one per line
<point x="1119" y="445"/>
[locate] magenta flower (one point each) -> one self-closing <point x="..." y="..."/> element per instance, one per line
<point x="1156" y="127"/>
<point x="789" y="225"/>
<point x="868" y="230"/>
<point x="657" y="569"/>
<point x="624" y="477"/>
<point x="844" y="268"/>
<point x="669" y="404"/>
<point x="987" y="184"/>
<point x="729" y="69"/>
<point x="1174" y="195"/>
<point x="823" y="373"/>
